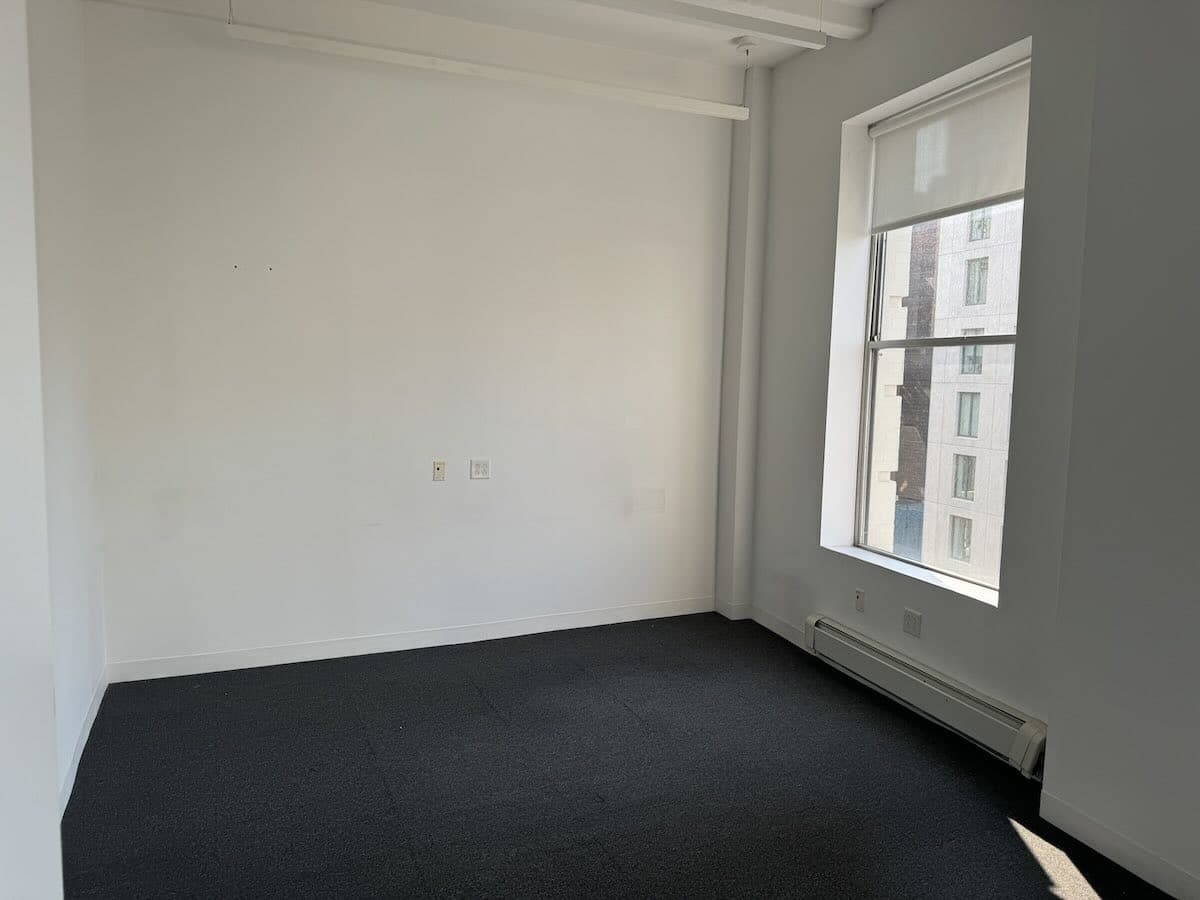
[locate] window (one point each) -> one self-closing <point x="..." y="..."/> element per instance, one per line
<point x="980" y="226"/>
<point x="924" y="398"/>
<point x="968" y="414"/>
<point x="971" y="361"/>
<point x="977" y="282"/>
<point x="964" y="477"/>
<point x="960" y="539"/>
<point x="936" y="307"/>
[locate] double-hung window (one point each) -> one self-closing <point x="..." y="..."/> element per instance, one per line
<point x="947" y="174"/>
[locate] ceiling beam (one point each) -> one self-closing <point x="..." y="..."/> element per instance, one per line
<point x="655" y="78"/>
<point x="372" y="53"/>
<point x="679" y="11"/>
<point x="836" y="18"/>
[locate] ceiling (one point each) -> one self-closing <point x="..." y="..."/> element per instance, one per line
<point x="681" y="28"/>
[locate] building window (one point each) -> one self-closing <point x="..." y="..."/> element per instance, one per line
<point x="980" y="225"/>
<point x="924" y="350"/>
<point x="968" y="414"/>
<point x="960" y="539"/>
<point x="971" y="360"/>
<point x="964" y="477"/>
<point x="977" y="282"/>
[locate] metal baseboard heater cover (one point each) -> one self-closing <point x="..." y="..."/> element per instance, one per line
<point x="1002" y="730"/>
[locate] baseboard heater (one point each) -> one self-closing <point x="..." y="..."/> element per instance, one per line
<point x="1004" y="731"/>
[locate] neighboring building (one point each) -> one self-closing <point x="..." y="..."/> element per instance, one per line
<point x="979" y="267"/>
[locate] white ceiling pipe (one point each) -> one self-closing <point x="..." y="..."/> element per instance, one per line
<point x="372" y="53"/>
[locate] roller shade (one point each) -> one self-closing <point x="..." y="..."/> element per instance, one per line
<point x="961" y="150"/>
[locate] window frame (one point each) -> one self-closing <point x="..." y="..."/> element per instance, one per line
<point x="875" y="344"/>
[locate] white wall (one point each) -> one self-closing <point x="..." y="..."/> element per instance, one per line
<point x="30" y="865"/>
<point x="316" y="276"/>
<point x="60" y="167"/>
<point x="1122" y="764"/>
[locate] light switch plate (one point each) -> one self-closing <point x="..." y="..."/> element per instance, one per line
<point x="860" y="600"/>
<point x="439" y="470"/>
<point x="480" y="469"/>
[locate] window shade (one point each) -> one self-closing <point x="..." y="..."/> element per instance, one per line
<point x="961" y="150"/>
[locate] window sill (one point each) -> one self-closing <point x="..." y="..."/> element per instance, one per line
<point x="987" y="595"/>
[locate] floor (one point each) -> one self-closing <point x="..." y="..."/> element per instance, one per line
<point x="687" y="757"/>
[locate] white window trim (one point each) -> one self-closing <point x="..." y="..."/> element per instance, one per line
<point x="847" y="348"/>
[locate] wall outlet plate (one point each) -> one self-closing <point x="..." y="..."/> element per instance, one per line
<point x="481" y="469"/>
<point x="439" y="470"/>
<point x="912" y="622"/>
<point x="860" y="600"/>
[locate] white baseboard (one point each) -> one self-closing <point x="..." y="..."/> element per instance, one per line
<point x="68" y="779"/>
<point x="1133" y="856"/>
<point x="736" y="611"/>
<point x="223" y="660"/>
<point x="781" y="627"/>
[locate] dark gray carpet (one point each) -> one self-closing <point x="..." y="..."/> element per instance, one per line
<point x="688" y="757"/>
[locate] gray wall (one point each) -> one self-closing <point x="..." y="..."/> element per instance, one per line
<point x="911" y="43"/>
<point x="1122" y="765"/>
<point x="56" y="59"/>
<point x="29" y="843"/>
<point x="1102" y="488"/>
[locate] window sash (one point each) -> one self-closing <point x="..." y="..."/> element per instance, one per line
<point x="875" y="315"/>
<point x="981" y="340"/>
<point x="874" y="344"/>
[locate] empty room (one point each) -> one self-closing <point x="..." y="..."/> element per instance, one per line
<point x="599" y="448"/>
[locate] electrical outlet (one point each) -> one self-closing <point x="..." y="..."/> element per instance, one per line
<point x="860" y="600"/>
<point x="912" y="622"/>
<point x="480" y="469"/>
<point x="439" y="470"/>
